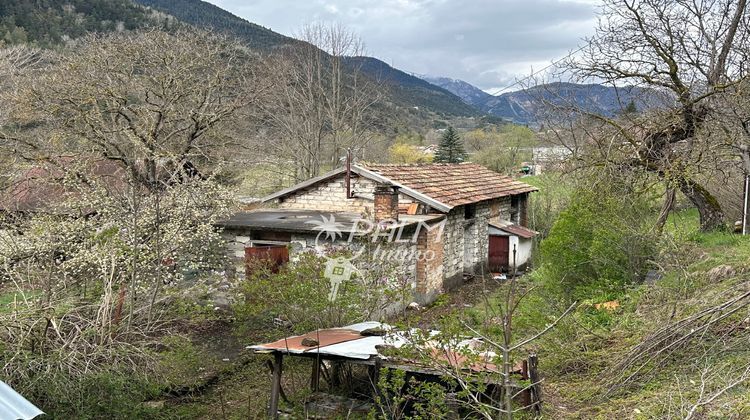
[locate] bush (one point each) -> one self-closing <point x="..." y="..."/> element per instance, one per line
<point x="104" y="395"/>
<point x="600" y="244"/>
<point x="297" y="296"/>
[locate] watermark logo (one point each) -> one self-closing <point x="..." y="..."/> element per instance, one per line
<point x="385" y="242"/>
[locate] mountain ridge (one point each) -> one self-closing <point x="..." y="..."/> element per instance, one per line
<point x="409" y="90"/>
<point x="525" y="106"/>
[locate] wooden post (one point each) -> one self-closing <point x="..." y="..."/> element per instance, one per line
<point x="536" y="387"/>
<point x="315" y="377"/>
<point x="373" y="373"/>
<point x="273" y="408"/>
<point x="526" y="394"/>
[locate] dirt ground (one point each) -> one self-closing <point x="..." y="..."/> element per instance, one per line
<point x="469" y="294"/>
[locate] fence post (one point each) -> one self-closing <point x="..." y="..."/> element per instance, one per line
<point x="536" y="386"/>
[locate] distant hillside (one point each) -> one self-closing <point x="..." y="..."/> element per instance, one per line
<point x="413" y="91"/>
<point x="524" y="106"/>
<point x="406" y="90"/>
<point x="205" y="15"/>
<point x="469" y="93"/>
<point x="50" y="22"/>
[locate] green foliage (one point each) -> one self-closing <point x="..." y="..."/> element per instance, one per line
<point x="401" y="396"/>
<point x="502" y="149"/>
<point x="406" y="153"/>
<point x="631" y="108"/>
<point x="298" y="294"/>
<point x="104" y="395"/>
<point x="451" y="148"/>
<point x="546" y="204"/>
<point x="598" y="246"/>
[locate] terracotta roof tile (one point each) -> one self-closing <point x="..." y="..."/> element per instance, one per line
<point x="452" y="184"/>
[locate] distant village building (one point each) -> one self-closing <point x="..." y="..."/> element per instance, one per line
<point x="467" y="217"/>
<point x="548" y="158"/>
<point x="428" y="150"/>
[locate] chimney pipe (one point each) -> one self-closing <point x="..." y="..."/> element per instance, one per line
<point x="348" y="173"/>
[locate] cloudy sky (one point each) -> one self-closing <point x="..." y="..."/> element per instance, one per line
<point x="488" y="43"/>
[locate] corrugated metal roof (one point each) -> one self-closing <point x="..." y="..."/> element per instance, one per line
<point x="348" y="342"/>
<point x="14" y="407"/>
<point x="289" y="220"/>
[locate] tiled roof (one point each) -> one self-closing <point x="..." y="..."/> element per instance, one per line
<point x="516" y="230"/>
<point x="453" y="184"/>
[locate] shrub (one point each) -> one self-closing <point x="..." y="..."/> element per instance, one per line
<point x="102" y="395"/>
<point x="599" y="245"/>
<point x="298" y="295"/>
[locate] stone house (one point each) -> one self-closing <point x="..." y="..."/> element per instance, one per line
<point x="442" y="222"/>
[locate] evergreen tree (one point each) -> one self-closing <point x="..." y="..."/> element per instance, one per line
<point x="631" y="108"/>
<point x="451" y="148"/>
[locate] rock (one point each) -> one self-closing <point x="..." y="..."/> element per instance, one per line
<point x="309" y="342"/>
<point x="281" y="322"/>
<point x="413" y="306"/>
<point x="222" y="302"/>
<point x="652" y="276"/>
<point x="155" y="404"/>
<point x="373" y="332"/>
<point x="721" y="272"/>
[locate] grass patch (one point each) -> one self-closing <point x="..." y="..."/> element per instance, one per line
<point x="9" y="300"/>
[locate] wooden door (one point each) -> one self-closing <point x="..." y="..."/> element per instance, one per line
<point x="273" y="256"/>
<point x="498" y="253"/>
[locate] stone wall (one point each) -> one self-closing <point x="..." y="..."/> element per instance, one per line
<point x="331" y="196"/>
<point x="397" y="260"/>
<point x="429" y="267"/>
<point x="466" y="242"/>
<point x="476" y="240"/>
<point x="453" y="245"/>
<point x="499" y="209"/>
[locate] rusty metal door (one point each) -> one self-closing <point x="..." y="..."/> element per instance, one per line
<point x="498" y="253"/>
<point x="269" y="255"/>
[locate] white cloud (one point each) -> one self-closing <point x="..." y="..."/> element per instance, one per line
<point x="488" y="43"/>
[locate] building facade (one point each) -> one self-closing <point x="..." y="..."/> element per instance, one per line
<point x="446" y="221"/>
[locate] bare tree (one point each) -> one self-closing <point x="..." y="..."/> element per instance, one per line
<point x="688" y="50"/>
<point x="15" y="63"/>
<point x="154" y="102"/>
<point x="324" y="101"/>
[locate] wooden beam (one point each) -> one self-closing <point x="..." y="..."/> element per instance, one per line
<point x="315" y="376"/>
<point x="273" y="408"/>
